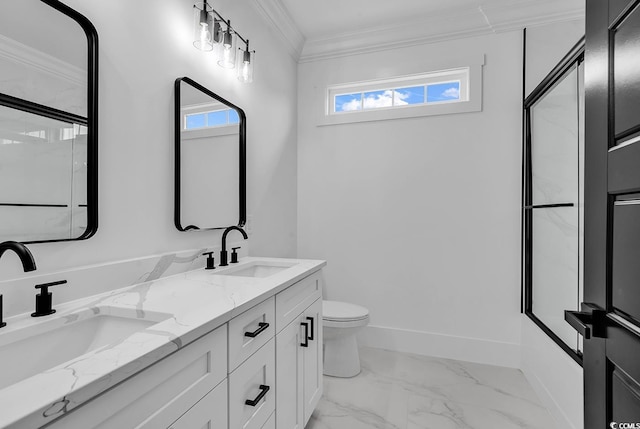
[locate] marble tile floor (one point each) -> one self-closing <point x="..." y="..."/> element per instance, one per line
<point x="406" y="391"/>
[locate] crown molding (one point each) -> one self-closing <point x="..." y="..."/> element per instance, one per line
<point x="528" y="13"/>
<point x="277" y="16"/>
<point x="465" y="23"/>
<point x="455" y="24"/>
<point x="19" y="53"/>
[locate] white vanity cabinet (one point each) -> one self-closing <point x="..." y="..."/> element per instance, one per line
<point x="260" y="370"/>
<point x="299" y="353"/>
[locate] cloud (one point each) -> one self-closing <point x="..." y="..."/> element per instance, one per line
<point x="451" y="93"/>
<point x="400" y="97"/>
<point x="379" y="99"/>
<point x="350" y="106"/>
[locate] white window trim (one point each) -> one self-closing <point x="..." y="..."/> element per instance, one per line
<point x="472" y="104"/>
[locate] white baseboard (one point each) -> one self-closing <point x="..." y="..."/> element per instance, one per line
<point x="444" y="346"/>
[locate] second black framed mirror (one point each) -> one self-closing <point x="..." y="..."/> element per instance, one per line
<point x="210" y="159"/>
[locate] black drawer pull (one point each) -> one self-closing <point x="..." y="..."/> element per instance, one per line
<point x="263" y="391"/>
<point x="306" y="334"/>
<point x="311" y="319"/>
<point x="261" y="327"/>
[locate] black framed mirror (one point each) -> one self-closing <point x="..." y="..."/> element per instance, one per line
<point x="210" y="159"/>
<point x="48" y="122"/>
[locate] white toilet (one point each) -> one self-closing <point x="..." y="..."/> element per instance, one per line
<point x="341" y="321"/>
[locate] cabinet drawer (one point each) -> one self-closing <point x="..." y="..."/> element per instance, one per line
<point x="291" y="302"/>
<point x="247" y="383"/>
<point x="210" y="412"/>
<point x="249" y="331"/>
<point x="160" y="394"/>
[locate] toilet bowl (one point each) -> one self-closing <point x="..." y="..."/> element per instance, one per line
<point x="340" y="322"/>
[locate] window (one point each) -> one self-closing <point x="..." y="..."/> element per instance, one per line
<point x="436" y="87"/>
<point x="210" y="119"/>
<point x="456" y="89"/>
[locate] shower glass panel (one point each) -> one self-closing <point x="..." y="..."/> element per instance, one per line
<point x="553" y="212"/>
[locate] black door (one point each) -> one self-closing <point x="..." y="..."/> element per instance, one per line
<point x="610" y="316"/>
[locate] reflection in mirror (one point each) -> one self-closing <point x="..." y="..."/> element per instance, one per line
<point x="48" y="114"/>
<point x="210" y="159"/>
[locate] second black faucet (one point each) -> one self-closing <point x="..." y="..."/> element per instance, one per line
<point x="223" y="252"/>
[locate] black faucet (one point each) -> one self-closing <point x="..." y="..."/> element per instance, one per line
<point x="28" y="263"/>
<point x="223" y="252"/>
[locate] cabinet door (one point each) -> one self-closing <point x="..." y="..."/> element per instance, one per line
<point x="289" y="376"/>
<point x="161" y="393"/>
<point x="254" y="380"/>
<point x="312" y="358"/>
<point x="210" y="412"/>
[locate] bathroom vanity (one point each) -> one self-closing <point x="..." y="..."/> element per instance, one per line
<point x="239" y="347"/>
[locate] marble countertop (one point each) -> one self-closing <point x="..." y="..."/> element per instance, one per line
<point x="188" y="306"/>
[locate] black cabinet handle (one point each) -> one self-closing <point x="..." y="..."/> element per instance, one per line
<point x="311" y="319"/>
<point x="306" y="334"/>
<point x="261" y="327"/>
<point x="263" y="391"/>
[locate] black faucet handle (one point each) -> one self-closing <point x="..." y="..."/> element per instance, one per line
<point x="234" y="254"/>
<point x="2" y="323"/>
<point x="44" y="299"/>
<point x="210" y="261"/>
<point x="44" y="286"/>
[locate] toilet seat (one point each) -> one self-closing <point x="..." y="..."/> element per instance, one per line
<point x="343" y="312"/>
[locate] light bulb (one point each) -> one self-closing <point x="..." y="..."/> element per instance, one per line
<point x="205" y="36"/>
<point x="245" y="70"/>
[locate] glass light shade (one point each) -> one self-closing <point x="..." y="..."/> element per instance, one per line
<point x="228" y="50"/>
<point x="202" y="27"/>
<point x="245" y="66"/>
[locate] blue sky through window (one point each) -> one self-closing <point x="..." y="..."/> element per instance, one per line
<point x="195" y="121"/>
<point x="376" y="99"/>
<point x="449" y="91"/>
<point x="217" y="118"/>
<point x="411" y="95"/>
<point x="348" y="102"/>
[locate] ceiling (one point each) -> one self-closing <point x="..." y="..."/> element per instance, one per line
<point x="318" y="19"/>
<point x="329" y="28"/>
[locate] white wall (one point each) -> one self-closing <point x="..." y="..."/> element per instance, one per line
<point x="419" y="219"/>
<point x="144" y="47"/>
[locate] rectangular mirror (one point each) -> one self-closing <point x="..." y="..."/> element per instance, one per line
<point x="48" y="122"/>
<point x="210" y="168"/>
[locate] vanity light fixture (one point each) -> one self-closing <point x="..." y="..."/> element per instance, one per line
<point x="203" y="26"/>
<point x="210" y="35"/>
<point x="227" y="58"/>
<point x="245" y="64"/>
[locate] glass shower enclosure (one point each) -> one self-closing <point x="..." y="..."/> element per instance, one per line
<point x="552" y="200"/>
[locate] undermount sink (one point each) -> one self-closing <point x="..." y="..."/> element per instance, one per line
<point x="259" y="269"/>
<point x="34" y="349"/>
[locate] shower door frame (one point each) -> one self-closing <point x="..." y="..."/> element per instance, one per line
<point x="573" y="58"/>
